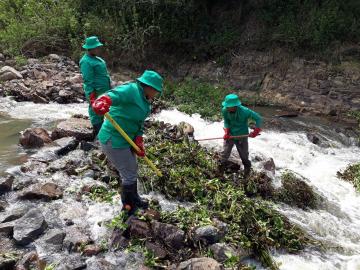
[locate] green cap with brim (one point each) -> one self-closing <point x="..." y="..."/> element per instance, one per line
<point x="231" y="100"/>
<point x="92" y="43"/>
<point x="152" y="79"/>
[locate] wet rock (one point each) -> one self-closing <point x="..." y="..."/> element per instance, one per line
<point x="51" y="243"/>
<point x="89" y="174"/>
<point x="2" y="57"/>
<point x="79" y="128"/>
<point x="3" y="205"/>
<point x="68" y="222"/>
<point x="91" y="250"/>
<point x="172" y="236"/>
<point x="8" y="73"/>
<point x="66" y="144"/>
<point x="221" y="226"/>
<point x="47" y="191"/>
<point x="71" y="262"/>
<point x="76" y="236"/>
<point x="14" y="214"/>
<point x="7" y="228"/>
<point x="70" y="163"/>
<point x="6" y="184"/>
<point x="269" y="165"/>
<point x="200" y="264"/>
<point x="159" y="251"/>
<point x="34" y="138"/>
<point x="29" y="227"/>
<point x="87" y="146"/>
<point x="118" y="241"/>
<point x="100" y="264"/>
<point x="207" y="235"/>
<point x="22" y="182"/>
<point x="222" y="252"/>
<point x="313" y="138"/>
<point x="138" y="228"/>
<point x="54" y="237"/>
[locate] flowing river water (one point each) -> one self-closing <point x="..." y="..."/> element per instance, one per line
<point x="337" y="224"/>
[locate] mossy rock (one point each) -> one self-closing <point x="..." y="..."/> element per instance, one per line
<point x="296" y="192"/>
<point x="352" y="175"/>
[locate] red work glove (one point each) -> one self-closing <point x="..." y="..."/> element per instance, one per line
<point x="92" y="98"/>
<point x="139" y="141"/>
<point x="101" y="105"/>
<point x="227" y="133"/>
<point x="255" y="132"/>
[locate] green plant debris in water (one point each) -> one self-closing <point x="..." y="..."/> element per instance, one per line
<point x="190" y="174"/>
<point x="102" y="194"/>
<point x="352" y="175"/>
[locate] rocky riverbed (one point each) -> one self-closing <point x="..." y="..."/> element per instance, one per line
<point x="61" y="208"/>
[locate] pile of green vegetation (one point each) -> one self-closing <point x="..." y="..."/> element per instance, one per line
<point x="352" y="175"/>
<point x="191" y="30"/>
<point x="191" y="174"/>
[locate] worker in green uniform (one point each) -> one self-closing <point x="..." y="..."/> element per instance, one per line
<point x="96" y="79"/>
<point x="129" y="105"/>
<point x="236" y="119"/>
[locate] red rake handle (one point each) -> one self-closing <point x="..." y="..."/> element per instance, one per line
<point x="221" y="138"/>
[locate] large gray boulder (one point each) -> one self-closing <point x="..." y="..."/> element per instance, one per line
<point x="9" y="73"/>
<point x="79" y="128"/>
<point x="6" y="184"/>
<point x="29" y="227"/>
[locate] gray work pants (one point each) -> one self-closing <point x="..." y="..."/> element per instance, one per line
<point x="124" y="161"/>
<point x="242" y="146"/>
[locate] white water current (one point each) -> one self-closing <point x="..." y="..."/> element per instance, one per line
<point x="337" y="225"/>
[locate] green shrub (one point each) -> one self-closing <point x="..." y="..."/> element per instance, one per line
<point x="33" y="27"/>
<point x="311" y="24"/>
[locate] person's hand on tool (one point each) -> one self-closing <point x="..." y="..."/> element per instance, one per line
<point x="227" y="133"/>
<point x="102" y="105"/>
<point x="139" y="141"/>
<point x="92" y="97"/>
<point x="256" y="131"/>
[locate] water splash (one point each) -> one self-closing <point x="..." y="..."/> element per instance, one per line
<point x="41" y="113"/>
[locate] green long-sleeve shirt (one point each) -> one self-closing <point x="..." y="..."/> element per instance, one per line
<point x="238" y="121"/>
<point x="95" y="79"/>
<point x="129" y="109"/>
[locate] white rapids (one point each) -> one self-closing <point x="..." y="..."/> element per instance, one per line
<point x="338" y="227"/>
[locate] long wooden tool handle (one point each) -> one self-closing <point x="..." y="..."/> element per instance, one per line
<point x="221" y="138"/>
<point x="130" y="141"/>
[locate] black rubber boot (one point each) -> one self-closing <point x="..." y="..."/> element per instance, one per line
<point x="128" y="199"/>
<point x="222" y="167"/>
<point x="247" y="170"/>
<point x="137" y="199"/>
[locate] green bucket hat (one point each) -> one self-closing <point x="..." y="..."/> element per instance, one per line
<point x="153" y="79"/>
<point x="92" y="43"/>
<point x="231" y="100"/>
